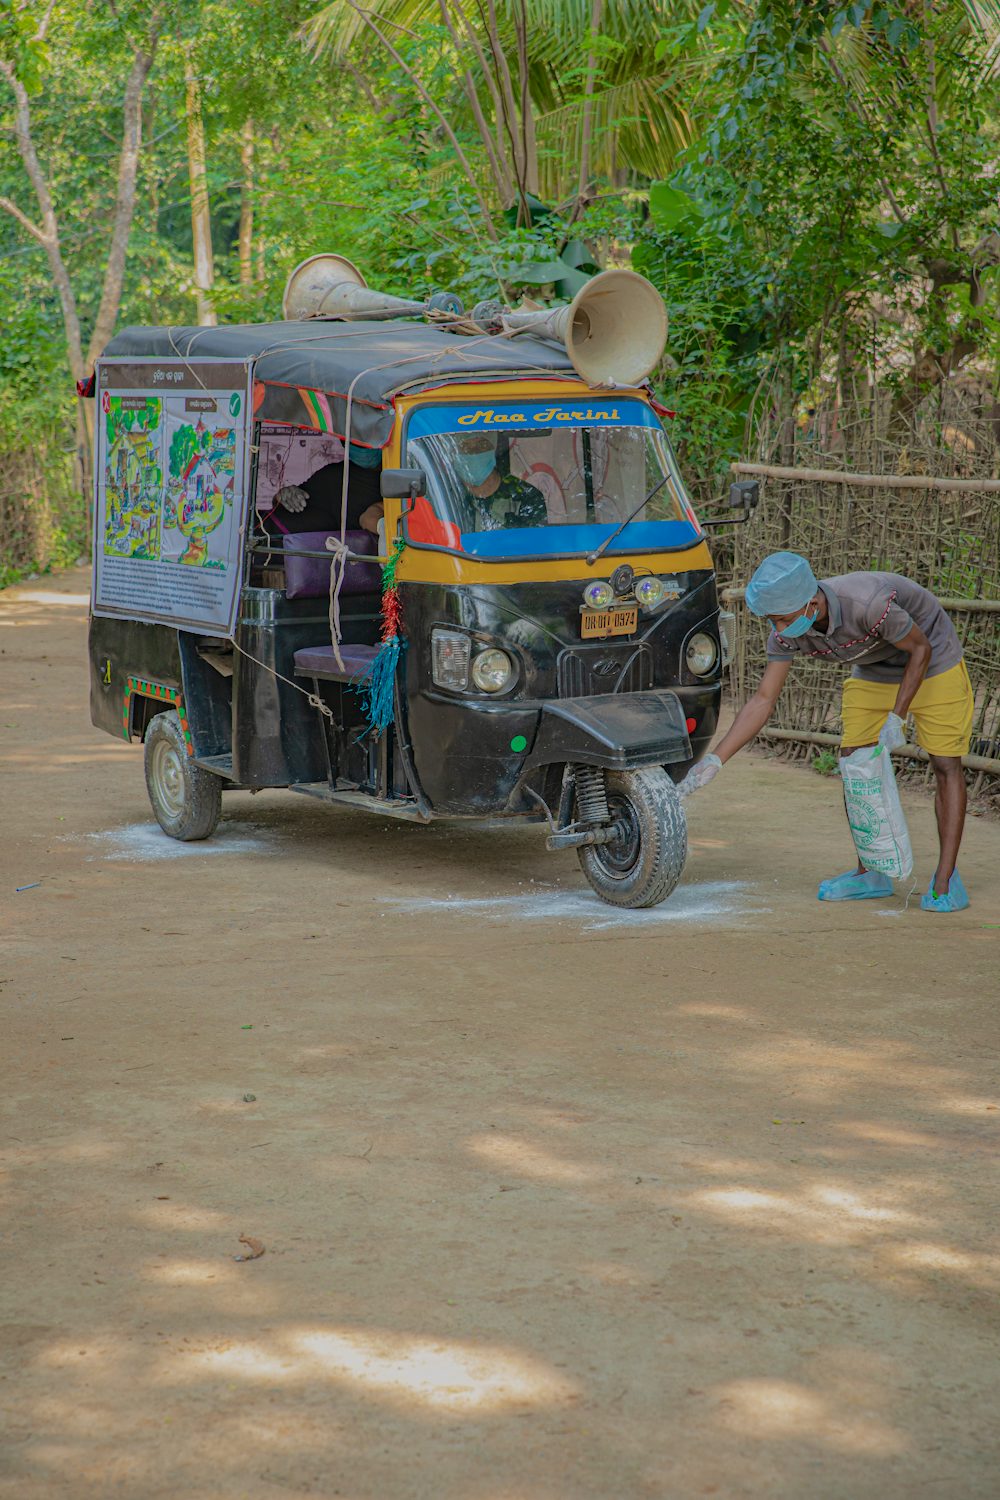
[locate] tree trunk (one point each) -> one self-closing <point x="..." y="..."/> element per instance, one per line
<point x="587" y="127"/>
<point x="121" y="223"/>
<point x="46" y="233"/>
<point x="246" y="204"/>
<point x="201" y="221"/>
<point x="502" y="184"/>
<point x="529" y="144"/>
<point x="508" y="110"/>
<point x="500" y="142"/>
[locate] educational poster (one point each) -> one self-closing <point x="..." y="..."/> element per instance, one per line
<point x="171" y="481"/>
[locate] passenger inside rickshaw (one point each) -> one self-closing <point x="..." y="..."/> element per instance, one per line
<point x="301" y="484"/>
<point x="300" y="503"/>
<point x="548" y="476"/>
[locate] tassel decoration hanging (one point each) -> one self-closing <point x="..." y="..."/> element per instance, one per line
<point x="376" y="685"/>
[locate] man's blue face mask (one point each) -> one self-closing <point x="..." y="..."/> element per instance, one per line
<point x="474" y="468"/>
<point x="799" y="626"/>
<point x="365" y="458"/>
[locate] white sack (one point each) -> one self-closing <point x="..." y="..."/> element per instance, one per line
<point x="875" y="813"/>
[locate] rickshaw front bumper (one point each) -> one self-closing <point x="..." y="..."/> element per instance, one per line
<point x="616" y="731"/>
<point x="473" y="756"/>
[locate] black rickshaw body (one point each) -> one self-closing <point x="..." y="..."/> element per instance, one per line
<point x="256" y="710"/>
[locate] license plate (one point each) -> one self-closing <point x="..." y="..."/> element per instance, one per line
<point x="603" y="622"/>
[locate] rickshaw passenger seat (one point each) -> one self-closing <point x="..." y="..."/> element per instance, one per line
<point x="320" y="661"/>
<point x="309" y="577"/>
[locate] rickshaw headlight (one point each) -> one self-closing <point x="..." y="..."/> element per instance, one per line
<point x="649" y="592"/>
<point x="702" y="654"/>
<point x="492" y="671"/>
<point x="450" y="652"/>
<point x="598" y="595"/>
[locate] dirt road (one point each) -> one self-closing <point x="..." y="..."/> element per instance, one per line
<point x="558" y="1204"/>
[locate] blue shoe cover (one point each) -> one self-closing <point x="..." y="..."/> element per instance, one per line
<point x="855" y="887"/>
<point x="955" y="898"/>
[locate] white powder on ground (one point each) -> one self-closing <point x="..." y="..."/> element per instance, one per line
<point x="142" y="842"/>
<point x="716" y="902"/>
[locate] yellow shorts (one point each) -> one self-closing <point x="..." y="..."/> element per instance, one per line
<point x="942" y="711"/>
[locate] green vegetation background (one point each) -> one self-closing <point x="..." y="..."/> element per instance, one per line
<point x="811" y="186"/>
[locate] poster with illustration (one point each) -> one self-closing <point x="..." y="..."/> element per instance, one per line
<point x="170" y="504"/>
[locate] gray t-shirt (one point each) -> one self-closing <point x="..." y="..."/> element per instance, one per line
<point x="868" y="613"/>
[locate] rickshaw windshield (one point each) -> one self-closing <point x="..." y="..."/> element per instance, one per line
<point x="517" y="479"/>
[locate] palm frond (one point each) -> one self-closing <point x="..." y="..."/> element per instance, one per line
<point x="338" y="27"/>
<point x="638" y="124"/>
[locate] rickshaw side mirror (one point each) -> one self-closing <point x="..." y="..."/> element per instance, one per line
<point x="744" y="494"/>
<point x="402" y="484"/>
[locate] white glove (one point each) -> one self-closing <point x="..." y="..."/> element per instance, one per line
<point x="700" y="775"/>
<point x="893" y="734"/>
<point x="292" y="498"/>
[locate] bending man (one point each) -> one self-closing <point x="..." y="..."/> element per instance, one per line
<point x="904" y="657"/>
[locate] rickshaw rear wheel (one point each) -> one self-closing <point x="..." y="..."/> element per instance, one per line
<point x="186" y="799"/>
<point x="641" y="867"/>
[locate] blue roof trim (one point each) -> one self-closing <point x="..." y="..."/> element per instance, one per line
<point x="523" y="416"/>
<point x="563" y="541"/>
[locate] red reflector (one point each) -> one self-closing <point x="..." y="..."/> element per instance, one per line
<point x="692" y="725"/>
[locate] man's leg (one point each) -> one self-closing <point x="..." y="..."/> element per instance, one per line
<point x="949" y="807"/>
<point x="943" y="710"/>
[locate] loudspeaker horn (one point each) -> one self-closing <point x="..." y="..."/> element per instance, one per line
<point x="614" y="330"/>
<point x="331" y="286"/>
<point x="312" y="280"/>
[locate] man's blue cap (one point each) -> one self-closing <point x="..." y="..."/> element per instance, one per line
<point x="783" y="583"/>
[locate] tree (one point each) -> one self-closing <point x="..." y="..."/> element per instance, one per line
<point x="839" y="206"/>
<point x="552" y="92"/>
<point x="201" y="219"/>
<point x="22" y="64"/>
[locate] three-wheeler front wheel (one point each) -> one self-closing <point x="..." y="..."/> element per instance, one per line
<point x="644" y="863"/>
<point x="186" y="799"/>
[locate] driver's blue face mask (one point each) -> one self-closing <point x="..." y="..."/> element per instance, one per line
<point x="799" y="626"/>
<point x="365" y="458"/>
<point x="474" y="468"/>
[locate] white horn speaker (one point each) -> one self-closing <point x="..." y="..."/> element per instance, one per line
<point x="330" y="286"/>
<point x="614" y="330"/>
<point x="310" y="282"/>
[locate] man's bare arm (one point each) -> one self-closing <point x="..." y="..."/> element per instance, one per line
<point x="918" y="648"/>
<point x="755" y="712"/>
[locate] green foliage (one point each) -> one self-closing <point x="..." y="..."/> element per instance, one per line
<point x="825" y="763"/>
<point x="793" y="177"/>
<point x="773" y="235"/>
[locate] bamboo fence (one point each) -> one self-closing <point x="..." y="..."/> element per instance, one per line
<point x="941" y="531"/>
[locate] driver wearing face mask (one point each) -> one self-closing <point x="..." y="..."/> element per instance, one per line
<point x="499" y="497"/>
<point x="316" y="504"/>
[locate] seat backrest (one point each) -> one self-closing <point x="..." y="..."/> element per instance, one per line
<point x="309" y="577"/>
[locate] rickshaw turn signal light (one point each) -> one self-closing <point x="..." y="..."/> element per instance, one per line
<point x="702" y="654"/>
<point x="450" y="652"/>
<point x="492" y="671"/>
<point x="598" y="595"/>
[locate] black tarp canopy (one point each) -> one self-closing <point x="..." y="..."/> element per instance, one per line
<point x="374" y="362"/>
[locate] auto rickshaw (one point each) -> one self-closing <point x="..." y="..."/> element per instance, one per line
<point x="531" y="631"/>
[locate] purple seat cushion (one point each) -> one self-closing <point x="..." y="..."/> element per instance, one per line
<point x="309" y="577"/>
<point x="319" y="661"/>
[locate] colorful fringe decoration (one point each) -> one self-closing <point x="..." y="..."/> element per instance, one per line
<point x="376" y="686"/>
